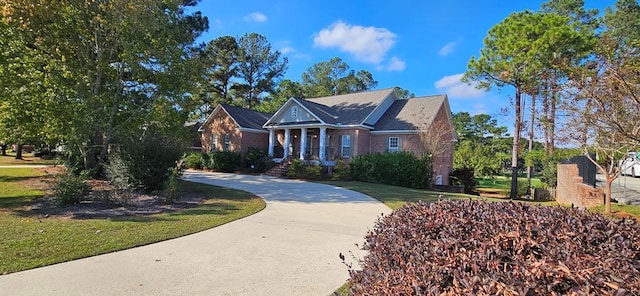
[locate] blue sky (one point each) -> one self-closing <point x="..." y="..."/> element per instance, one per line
<point x="422" y="46"/>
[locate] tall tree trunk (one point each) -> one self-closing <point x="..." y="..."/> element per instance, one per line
<point x="19" y="151"/>
<point x="532" y="119"/>
<point x="516" y="145"/>
<point x="4" y="149"/>
<point x="545" y="113"/>
<point x="552" y="112"/>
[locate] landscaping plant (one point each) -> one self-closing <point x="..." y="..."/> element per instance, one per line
<point x="398" y="169"/>
<point x="483" y="248"/>
<point x="69" y="189"/>
<point x="223" y="161"/>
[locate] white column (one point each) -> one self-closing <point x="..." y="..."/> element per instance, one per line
<point x="303" y="142"/>
<point x="287" y="140"/>
<point x="272" y="140"/>
<point x="323" y="138"/>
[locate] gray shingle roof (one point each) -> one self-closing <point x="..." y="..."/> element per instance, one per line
<point x="247" y="118"/>
<point x="410" y="114"/>
<point x="348" y="108"/>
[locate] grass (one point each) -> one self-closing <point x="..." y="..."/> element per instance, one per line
<point x="620" y="210"/>
<point x="12" y="193"/>
<point x="27" y="159"/>
<point x="502" y="182"/>
<point x="30" y="241"/>
<point x="395" y="197"/>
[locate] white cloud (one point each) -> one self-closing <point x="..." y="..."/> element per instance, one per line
<point x="396" y="64"/>
<point x="288" y="49"/>
<point x="478" y="109"/>
<point x="455" y="88"/>
<point x="448" y="49"/>
<point x="256" y="17"/>
<point x="366" y="44"/>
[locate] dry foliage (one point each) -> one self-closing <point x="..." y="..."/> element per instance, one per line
<point x="481" y="248"/>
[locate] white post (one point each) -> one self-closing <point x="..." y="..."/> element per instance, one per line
<point x="272" y="140"/>
<point x="323" y="138"/>
<point x="287" y="140"/>
<point x="303" y="142"/>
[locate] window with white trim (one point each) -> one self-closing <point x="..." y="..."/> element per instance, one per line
<point x="294" y="111"/>
<point x="394" y="144"/>
<point x="214" y="143"/>
<point x="346" y="145"/>
<point x="227" y="142"/>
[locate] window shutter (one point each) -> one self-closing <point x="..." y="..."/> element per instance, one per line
<point x="400" y="144"/>
<point x="351" y="145"/>
<point x="387" y="142"/>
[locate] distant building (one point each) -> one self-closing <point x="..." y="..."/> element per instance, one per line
<point x="327" y="129"/>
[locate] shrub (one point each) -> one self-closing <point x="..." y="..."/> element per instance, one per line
<point x="522" y="189"/>
<point x="341" y="171"/>
<point x="296" y="169"/>
<point x="502" y="248"/>
<point x="398" y="169"/>
<point x="171" y="188"/>
<point x="69" y="189"/>
<point x="258" y="158"/>
<point x="312" y="172"/>
<point x="194" y="160"/>
<point x="143" y="164"/>
<point x="465" y="177"/>
<point x="224" y="161"/>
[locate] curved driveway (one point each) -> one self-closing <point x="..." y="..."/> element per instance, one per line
<point x="289" y="248"/>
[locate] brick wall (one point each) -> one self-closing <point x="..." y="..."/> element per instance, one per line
<point x="253" y="139"/>
<point x="220" y="125"/>
<point x="571" y="190"/>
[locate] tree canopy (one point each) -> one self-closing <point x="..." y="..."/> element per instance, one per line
<point x="100" y="70"/>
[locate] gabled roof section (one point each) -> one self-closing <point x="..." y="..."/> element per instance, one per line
<point x="247" y="118"/>
<point x="281" y="117"/>
<point x="244" y="118"/>
<point x="411" y="114"/>
<point x="347" y="109"/>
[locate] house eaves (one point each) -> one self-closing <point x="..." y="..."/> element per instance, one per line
<point x="210" y="117"/>
<point x="283" y="109"/>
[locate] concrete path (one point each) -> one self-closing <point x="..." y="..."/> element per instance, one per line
<point x="22" y="166"/>
<point x="289" y="248"/>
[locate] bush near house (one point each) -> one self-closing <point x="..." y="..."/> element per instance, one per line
<point x="298" y="169"/>
<point x="341" y="171"/>
<point x="194" y="160"/>
<point x="257" y="160"/>
<point x="510" y="248"/>
<point x="465" y="177"/>
<point x="398" y="169"/>
<point x="223" y="161"/>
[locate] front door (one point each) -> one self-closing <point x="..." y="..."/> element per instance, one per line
<point x="311" y="152"/>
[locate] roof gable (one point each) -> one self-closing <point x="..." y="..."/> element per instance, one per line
<point x="412" y="114"/>
<point x="351" y="109"/>
<point x="294" y="111"/>
<point x="244" y="118"/>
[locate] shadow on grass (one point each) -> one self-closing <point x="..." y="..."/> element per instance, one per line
<point x="14" y="178"/>
<point x="17" y="201"/>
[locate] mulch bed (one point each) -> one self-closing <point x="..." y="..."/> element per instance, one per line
<point x="104" y="200"/>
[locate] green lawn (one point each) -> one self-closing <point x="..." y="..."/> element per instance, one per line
<point x="28" y="241"/>
<point x="395" y="197"/>
<point x="27" y="159"/>
<point x="503" y="182"/>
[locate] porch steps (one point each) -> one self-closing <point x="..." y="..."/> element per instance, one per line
<point x="279" y="170"/>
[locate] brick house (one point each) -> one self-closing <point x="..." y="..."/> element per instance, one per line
<point x="339" y="127"/>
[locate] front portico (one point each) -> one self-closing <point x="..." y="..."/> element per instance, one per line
<point x="305" y="143"/>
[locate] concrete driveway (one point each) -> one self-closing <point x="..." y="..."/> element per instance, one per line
<point x="289" y="248"/>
